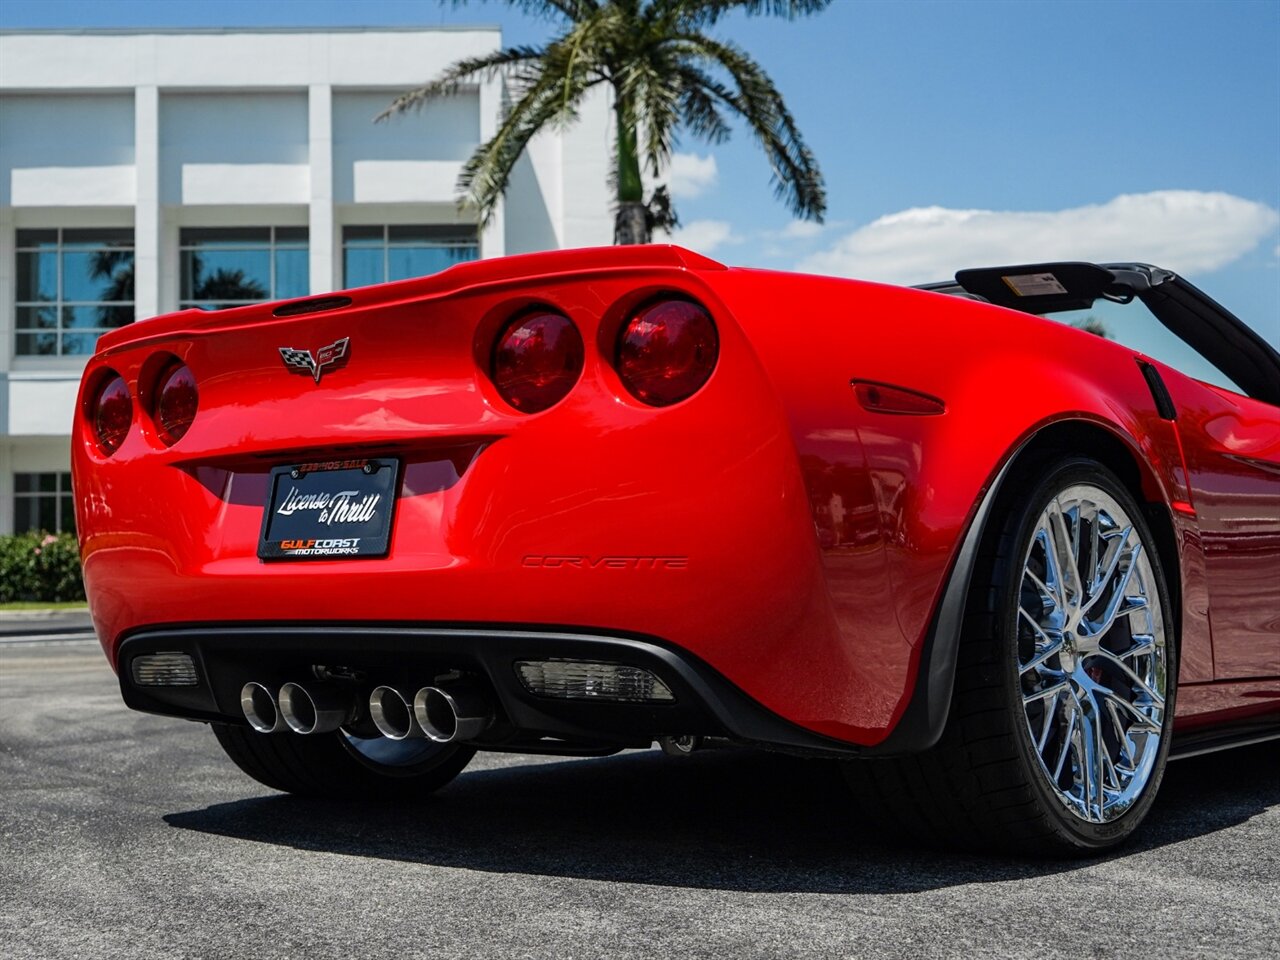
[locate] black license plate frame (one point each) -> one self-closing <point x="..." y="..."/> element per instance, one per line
<point x="330" y="510"/>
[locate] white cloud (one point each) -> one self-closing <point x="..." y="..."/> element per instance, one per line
<point x="801" y="230"/>
<point x="1185" y="230"/>
<point x="704" y="236"/>
<point x="691" y="175"/>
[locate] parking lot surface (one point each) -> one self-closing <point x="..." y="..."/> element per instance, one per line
<point x="126" y="835"/>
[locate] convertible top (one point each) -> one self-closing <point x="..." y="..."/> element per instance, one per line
<point x="1206" y="326"/>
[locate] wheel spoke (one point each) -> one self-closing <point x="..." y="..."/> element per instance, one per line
<point x="1053" y="691"/>
<point x="1061" y="541"/>
<point x="1139" y="720"/>
<point x="1132" y="676"/>
<point x="1050" y="712"/>
<point x="1118" y="598"/>
<point x="1068" y="738"/>
<point x="1052" y="649"/>
<point x="1143" y="643"/>
<point x="1116" y="544"/>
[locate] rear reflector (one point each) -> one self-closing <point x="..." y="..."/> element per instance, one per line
<point x="886" y="398"/>
<point x="165" y="670"/>
<point x="589" y="680"/>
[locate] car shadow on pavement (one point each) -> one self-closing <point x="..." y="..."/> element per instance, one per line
<point x="722" y="819"/>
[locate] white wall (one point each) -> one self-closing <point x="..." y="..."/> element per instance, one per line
<point x="169" y="129"/>
<point x="70" y="150"/>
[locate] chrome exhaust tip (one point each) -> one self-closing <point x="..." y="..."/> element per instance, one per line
<point x="393" y="715"/>
<point x="321" y="709"/>
<point x="448" y="714"/>
<point x="260" y="708"/>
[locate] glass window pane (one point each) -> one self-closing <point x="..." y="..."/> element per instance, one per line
<point x="24" y="482"/>
<point x="103" y="274"/>
<point x="37" y="238"/>
<point x="82" y="317"/>
<point x="293" y="273"/>
<point x="1135" y="326"/>
<point x="66" y="515"/>
<point x="80" y="344"/>
<point x="98" y="237"/>
<point x="225" y="237"/>
<point x="64" y="482"/>
<point x="446" y="234"/>
<point x="24" y="514"/>
<point x="420" y="261"/>
<point x="37" y="318"/>
<point x="216" y="274"/>
<point x="362" y="267"/>
<point x="291" y="236"/>
<point x="37" y="276"/>
<point x="363" y="235"/>
<point x="47" y="482"/>
<point x="115" y="315"/>
<point x="37" y="344"/>
<point x="47" y="512"/>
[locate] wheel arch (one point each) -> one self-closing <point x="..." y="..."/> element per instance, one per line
<point x="922" y="723"/>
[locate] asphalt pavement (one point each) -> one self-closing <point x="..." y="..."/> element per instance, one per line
<point x="130" y="836"/>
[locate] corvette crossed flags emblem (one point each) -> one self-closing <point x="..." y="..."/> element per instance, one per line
<point x="324" y="357"/>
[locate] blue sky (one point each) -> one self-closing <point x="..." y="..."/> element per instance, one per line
<point x="949" y="131"/>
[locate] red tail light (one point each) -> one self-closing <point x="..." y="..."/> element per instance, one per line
<point x="667" y="351"/>
<point x="111" y="413"/>
<point x="537" y="360"/>
<point x="176" y="402"/>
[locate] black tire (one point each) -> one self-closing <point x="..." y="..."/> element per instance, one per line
<point x="328" y="766"/>
<point x="984" y="784"/>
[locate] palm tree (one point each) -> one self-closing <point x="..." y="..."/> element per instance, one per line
<point x="665" y="72"/>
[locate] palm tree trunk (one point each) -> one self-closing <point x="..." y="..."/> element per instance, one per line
<point x="631" y="222"/>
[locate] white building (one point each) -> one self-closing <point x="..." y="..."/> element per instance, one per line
<point x="144" y="170"/>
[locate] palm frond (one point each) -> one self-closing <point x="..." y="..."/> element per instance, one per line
<point x="796" y="177"/>
<point x="701" y="13"/>
<point x="465" y="72"/>
<point x="487" y="172"/>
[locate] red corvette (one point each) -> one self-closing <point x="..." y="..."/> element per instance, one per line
<point x="574" y="502"/>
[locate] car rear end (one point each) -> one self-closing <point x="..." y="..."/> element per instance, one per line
<point x="533" y="482"/>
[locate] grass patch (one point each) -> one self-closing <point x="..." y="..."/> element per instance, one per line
<point x="37" y="605"/>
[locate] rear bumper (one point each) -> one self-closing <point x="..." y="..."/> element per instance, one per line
<point x="408" y="656"/>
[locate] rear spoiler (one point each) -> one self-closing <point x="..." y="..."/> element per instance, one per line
<point x="463" y="276"/>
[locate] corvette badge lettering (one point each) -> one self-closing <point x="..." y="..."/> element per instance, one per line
<point x="328" y="356"/>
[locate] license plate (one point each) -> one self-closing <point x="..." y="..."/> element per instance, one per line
<point x="329" y="511"/>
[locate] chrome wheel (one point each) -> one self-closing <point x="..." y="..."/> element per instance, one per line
<point x="1092" y="656"/>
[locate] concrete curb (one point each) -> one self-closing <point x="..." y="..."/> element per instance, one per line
<point x="36" y="622"/>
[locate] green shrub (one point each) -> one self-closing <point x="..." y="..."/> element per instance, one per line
<point x="42" y="567"/>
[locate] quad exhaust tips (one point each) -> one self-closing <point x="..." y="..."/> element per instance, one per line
<point x="449" y="713"/>
<point x="392" y="714"/>
<point x="444" y="714"/>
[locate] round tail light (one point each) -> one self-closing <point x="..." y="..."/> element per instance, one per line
<point x="176" y="402"/>
<point x="667" y="351"/>
<point x="111" y="413"/>
<point x="537" y="360"/>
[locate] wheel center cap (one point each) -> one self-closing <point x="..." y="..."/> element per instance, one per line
<point x="1069" y="652"/>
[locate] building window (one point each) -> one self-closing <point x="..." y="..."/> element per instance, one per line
<point x="231" y="266"/>
<point x="72" y="286"/>
<point x="42" y="501"/>
<point x="377" y="254"/>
